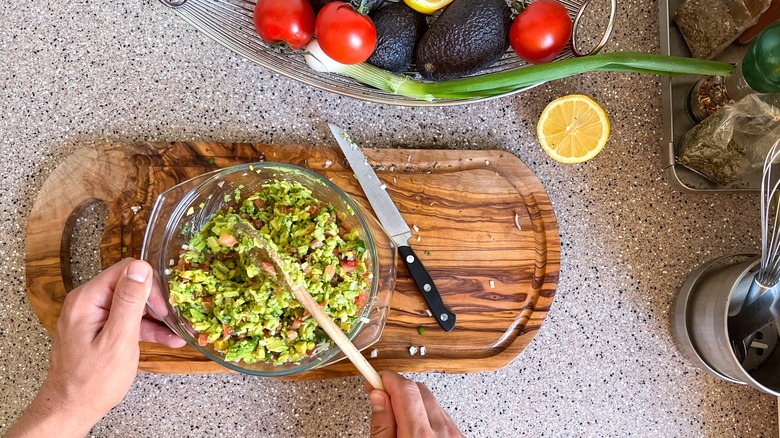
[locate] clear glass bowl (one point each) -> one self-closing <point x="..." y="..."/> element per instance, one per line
<point x="170" y="227"/>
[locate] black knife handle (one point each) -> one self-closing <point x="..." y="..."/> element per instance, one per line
<point x="444" y="317"/>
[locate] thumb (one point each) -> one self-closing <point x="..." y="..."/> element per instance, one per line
<point x="382" y="418"/>
<point x="129" y="301"/>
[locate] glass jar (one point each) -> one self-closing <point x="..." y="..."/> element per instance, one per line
<point x="759" y="72"/>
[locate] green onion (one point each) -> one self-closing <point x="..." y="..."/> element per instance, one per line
<point x="493" y="84"/>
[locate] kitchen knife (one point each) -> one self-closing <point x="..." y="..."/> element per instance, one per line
<point x="394" y="223"/>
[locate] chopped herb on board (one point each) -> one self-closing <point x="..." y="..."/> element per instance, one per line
<point x="212" y="160"/>
<point x="420" y="330"/>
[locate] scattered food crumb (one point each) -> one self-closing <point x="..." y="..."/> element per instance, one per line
<point x="171" y="262"/>
<point x="428" y="311"/>
<point x="328" y="164"/>
<point x="487" y="162"/>
<point x="416" y="229"/>
<point x="151" y="183"/>
<point x="412" y="350"/>
<point x="167" y="272"/>
<point x="364" y="320"/>
<point x="427" y="253"/>
<point x="220" y="184"/>
<point x="492" y="284"/>
<point x="418" y="238"/>
<point x="212" y="160"/>
<point x="185" y="247"/>
<point x="190" y="211"/>
<point x="395" y="180"/>
<point x="420" y="330"/>
<point x="422" y="351"/>
<point x="517" y="222"/>
<point x="124" y="249"/>
<point x="136" y="209"/>
<point x="374" y="353"/>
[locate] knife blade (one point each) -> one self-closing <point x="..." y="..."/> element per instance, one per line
<point x="394" y="223"/>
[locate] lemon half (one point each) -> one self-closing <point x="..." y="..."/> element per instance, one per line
<point x="573" y="128"/>
<point x="427" y="6"/>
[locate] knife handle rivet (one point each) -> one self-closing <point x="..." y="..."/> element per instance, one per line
<point x="427" y="287"/>
<point x="410" y="259"/>
<point x="444" y="317"/>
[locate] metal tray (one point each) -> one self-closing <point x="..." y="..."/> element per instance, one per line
<point x="676" y="121"/>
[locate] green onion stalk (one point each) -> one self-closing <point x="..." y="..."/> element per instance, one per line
<point x="493" y="84"/>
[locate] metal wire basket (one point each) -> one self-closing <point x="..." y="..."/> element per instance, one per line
<point x="230" y="23"/>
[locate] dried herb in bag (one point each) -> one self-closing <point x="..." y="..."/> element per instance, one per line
<point x="709" y="26"/>
<point x="736" y="138"/>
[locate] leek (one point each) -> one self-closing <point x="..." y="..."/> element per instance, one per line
<point x="493" y="84"/>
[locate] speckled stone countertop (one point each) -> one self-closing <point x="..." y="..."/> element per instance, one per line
<point x="81" y="72"/>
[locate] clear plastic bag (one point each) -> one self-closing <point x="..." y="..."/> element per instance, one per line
<point x="709" y="26"/>
<point x="732" y="141"/>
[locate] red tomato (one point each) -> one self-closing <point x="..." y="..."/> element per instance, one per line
<point x="345" y="35"/>
<point x="285" y="21"/>
<point x="541" y="31"/>
<point x="348" y="265"/>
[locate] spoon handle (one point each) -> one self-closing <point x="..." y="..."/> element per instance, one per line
<point x="338" y="336"/>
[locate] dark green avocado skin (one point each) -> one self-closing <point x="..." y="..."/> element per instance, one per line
<point x="468" y="36"/>
<point x="398" y="29"/>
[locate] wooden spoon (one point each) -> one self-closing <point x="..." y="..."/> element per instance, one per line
<point x="264" y="252"/>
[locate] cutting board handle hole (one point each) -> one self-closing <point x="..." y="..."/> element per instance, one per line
<point x="81" y="242"/>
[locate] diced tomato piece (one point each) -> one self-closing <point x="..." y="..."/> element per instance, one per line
<point x="330" y="270"/>
<point x="296" y="324"/>
<point x="269" y="268"/>
<point x="348" y="265"/>
<point x="225" y="331"/>
<point x="259" y="204"/>
<point x="227" y="240"/>
<point x="203" y="339"/>
<point x="361" y="299"/>
<point x="208" y="303"/>
<point x="204" y="267"/>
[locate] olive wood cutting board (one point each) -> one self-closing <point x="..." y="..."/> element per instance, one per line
<point x="481" y="221"/>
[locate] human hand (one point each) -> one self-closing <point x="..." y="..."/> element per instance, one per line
<point x="94" y="357"/>
<point x="407" y="409"/>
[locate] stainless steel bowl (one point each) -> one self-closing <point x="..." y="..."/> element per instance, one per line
<point x="230" y="23"/>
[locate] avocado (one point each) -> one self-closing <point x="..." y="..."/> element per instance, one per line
<point x="398" y="29"/>
<point x="468" y="36"/>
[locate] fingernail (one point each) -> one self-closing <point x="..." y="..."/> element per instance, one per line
<point x="138" y="271"/>
<point x="377" y="401"/>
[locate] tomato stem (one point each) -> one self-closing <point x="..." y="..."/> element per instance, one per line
<point x="519" y="6"/>
<point x="360" y="6"/>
